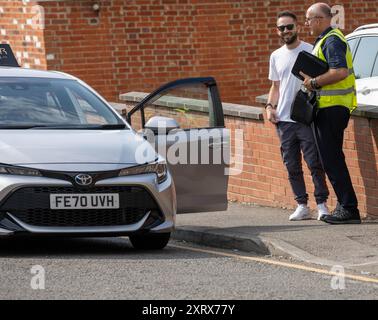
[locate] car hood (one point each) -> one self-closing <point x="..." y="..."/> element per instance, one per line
<point x="73" y="150"/>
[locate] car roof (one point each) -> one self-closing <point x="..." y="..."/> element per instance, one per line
<point x="366" y="30"/>
<point x="33" y="73"/>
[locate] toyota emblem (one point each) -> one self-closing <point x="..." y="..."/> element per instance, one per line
<point x="83" y="179"/>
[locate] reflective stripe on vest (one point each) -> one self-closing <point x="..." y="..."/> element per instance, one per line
<point x="343" y="92"/>
<point x="339" y="92"/>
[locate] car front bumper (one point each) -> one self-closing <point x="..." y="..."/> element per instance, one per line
<point x="29" y="215"/>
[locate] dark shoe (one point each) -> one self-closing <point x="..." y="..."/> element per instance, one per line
<point x="333" y="213"/>
<point x="343" y="216"/>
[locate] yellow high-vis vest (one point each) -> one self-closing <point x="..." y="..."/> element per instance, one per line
<point x="342" y="93"/>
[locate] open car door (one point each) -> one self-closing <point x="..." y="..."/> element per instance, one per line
<point x="186" y="118"/>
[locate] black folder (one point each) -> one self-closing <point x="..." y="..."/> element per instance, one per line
<point x="309" y="64"/>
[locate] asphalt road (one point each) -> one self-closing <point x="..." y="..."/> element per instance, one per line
<point x="111" y="269"/>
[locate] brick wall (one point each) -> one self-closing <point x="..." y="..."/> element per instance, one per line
<point x="264" y="179"/>
<point x="135" y="45"/>
<point x="19" y="27"/>
<point x="139" y="44"/>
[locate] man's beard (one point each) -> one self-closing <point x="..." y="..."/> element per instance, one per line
<point x="290" y="40"/>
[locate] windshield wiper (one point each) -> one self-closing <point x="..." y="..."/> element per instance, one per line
<point x="64" y="126"/>
<point x="111" y="126"/>
<point x="17" y="126"/>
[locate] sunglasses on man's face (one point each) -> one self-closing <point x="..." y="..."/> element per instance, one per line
<point x="288" y="27"/>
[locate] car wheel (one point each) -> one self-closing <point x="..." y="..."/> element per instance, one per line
<point x="150" y="241"/>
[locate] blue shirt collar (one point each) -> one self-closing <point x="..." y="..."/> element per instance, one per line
<point x="322" y="35"/>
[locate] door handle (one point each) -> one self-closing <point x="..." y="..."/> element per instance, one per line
<point x="365" y="91"/>
<point x="217" y="144"/>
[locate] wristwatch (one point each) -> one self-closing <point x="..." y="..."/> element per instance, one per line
<point x="314" y="84"/>
<point x="269" y="105"/>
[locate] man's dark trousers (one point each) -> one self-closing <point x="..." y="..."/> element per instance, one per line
<point x="294" y="138"/>
<point x="329" y="127"/>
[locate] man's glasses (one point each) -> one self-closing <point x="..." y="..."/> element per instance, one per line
<point x="307" y="20"/>
<point x="288" y="27"/>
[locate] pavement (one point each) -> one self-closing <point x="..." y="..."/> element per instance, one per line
<point x="268" y="231"/>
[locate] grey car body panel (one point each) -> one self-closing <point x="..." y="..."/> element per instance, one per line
<point x="158" y="123"/>
<point x="200" y="186"/>
<point x="5" y="232"/>
<point x="73" y="146"/>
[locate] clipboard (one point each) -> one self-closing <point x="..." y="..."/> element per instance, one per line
<point x="309" y="64"/>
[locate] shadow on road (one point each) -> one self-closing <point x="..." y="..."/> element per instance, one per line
<point x="81" y="248"/>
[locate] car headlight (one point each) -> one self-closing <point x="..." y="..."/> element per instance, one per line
<point x="159" y="168"/>
<point x="20" y="171"/>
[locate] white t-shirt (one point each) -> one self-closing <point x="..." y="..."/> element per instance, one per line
<point x="281" y="62"/>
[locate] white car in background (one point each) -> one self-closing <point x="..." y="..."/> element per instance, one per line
<point x="364" y="46"/>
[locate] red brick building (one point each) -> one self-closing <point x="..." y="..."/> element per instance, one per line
<point x="130" y="45"/>
<point x="136" y="45"/>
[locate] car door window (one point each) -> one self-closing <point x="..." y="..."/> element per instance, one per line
<point x="365" y="57"/>
<point x="375" y="69"/>
<point x="178" y="103"/>
<point x="353" y="44"/>
<point x="190" y="102"/>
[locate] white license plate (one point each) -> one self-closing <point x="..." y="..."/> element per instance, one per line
<point x="84" y="201"/>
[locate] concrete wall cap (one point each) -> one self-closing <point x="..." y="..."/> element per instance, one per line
<point x="364" y="111"/>
<point x="229" y="109"/>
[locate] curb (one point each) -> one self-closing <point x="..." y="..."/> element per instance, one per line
<point x="256" y="245"/>
<point x="211" y="238"/>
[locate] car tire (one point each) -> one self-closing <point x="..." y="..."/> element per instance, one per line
<point x="155" y="241"/>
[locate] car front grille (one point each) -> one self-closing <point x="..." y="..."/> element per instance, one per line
<point x="31" y="205"/>
<point x="79" y="218"/>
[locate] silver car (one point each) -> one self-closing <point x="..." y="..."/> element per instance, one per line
<point x="71" y="165"/>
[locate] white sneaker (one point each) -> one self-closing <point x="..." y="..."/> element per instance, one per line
<point x="301" y="213"/>
<point x="322" y="210"/>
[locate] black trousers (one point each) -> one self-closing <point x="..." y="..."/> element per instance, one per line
<point x="329" y="126"/>
<point x="294" y="138"/>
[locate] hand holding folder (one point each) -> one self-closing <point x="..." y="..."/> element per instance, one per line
<point x="309" y="64"/>
<point x="304" y="106"/>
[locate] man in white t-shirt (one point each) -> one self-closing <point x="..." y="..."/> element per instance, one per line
<point x="294" y="136"/>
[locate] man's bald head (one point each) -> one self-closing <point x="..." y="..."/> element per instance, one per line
<point x="321" y="9"/>
<point x="319" y="18"/>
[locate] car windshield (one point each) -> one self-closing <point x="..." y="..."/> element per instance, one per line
<point x="52" y="103"/>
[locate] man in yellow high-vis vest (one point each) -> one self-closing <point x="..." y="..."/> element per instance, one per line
<point x="336" y="92"/>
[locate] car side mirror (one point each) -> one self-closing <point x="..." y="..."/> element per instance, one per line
<point x="159" y="124"/>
